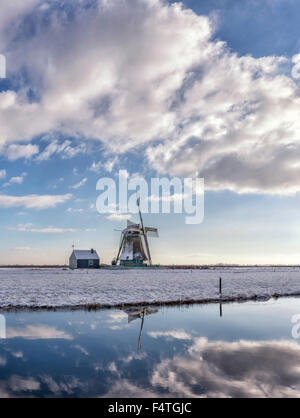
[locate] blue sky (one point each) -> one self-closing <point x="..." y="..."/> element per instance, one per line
<point x="160" y="90"/>
<point x="254" y="27"/>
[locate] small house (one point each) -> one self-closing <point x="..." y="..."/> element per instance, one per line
<point x="84" y="259"/>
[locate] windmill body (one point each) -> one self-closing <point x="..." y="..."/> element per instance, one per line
<point x="134" y="247"/>
<point x="133" y="251"/>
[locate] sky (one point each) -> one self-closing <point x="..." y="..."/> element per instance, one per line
<point x="206" y="88"/>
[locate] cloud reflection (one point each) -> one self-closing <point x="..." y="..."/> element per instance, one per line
<point x="16" y="384"/>
<point x="232" y="369"/>
<point x="176" y="334"/>
<point x="37" y="332"/>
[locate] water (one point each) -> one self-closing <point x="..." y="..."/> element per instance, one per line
<point x="180" y="352"/>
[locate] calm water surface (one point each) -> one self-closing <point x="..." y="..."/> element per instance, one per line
<point x="169" y="352"/>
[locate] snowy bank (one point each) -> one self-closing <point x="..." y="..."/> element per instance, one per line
<point x="42" y="288"/>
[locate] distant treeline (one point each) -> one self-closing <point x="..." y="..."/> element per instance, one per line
<point x="34" y="266"/>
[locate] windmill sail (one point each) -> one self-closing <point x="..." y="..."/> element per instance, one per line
<point x="143" y="230"/>
<point x="151" y="232"/>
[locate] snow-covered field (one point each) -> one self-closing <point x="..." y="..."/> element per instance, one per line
<point x="66" y="288"/>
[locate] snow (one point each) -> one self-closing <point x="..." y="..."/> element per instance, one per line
<point x="86" y="255"/>
<point x="63" y="288"/>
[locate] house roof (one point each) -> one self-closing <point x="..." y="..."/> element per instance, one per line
<point x="86" y="255"/>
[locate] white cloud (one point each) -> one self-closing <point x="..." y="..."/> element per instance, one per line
<point x="2" y="174"/>
<point x="12" y="12"/>
<point x="71" y="210"/>
<point x="80" y="184"/>
<point x="33" y="201"/>
<point x="15" y="180"/>
<point x="96" y="167"/>
<point x="15" y="152"/>
<point x="53" y="148"/>
<point x="110" y="164"/>
<point x="48" y="230"/>
<point x="121" y="98"/>
<point x="118" y="217"/>
<point x="65" y="150"/>
<point x="22" y="249"/>
<point x="148" y="73"/>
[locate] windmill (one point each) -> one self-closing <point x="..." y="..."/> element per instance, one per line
<point x="134" y="247"/>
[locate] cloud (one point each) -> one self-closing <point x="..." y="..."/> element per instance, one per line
<point x="80" y="184"/>
<point x="2" y="174"/>
<point x="120" y="98"/>
<point x="110" y="164"/>
<point x="15" y="152"/>
<point x="118" y="217"/>
<point x="48" y="230"/>
<point x="12" y="12"/>
<point x="22" y="249"/>
<point x="159" y="83"/>
<point x="53" y="148"/>
<point x="96" y="167"/>
<point x="71" y="210"/>
<point x="15" y="180"/>
<point x="38" y="202"/>
<point x="65" y="150"/>
<point x="232" y="369"/>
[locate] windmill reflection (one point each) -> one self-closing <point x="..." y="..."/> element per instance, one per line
<point x="139" y="313"/>
<point x="136" y="312"/>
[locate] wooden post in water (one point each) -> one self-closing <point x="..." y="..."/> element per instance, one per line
<point x="141" y="330"/>
<point x="220" y="294"/>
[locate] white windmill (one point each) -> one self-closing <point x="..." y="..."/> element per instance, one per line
<point x="134" y="246"/>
